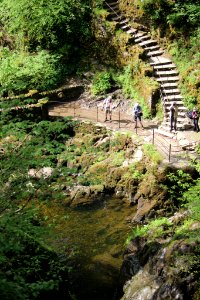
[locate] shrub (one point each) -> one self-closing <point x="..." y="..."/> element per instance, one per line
<point x="21" y="71"/>
<point x="101" y="83"/>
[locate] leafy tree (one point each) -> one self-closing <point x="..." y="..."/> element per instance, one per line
<point x="21" y="71"/>
<point x="48" y="24"/>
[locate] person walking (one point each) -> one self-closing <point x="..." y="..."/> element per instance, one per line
<point x="107" y="106"/>
<point x="137" y="113"/>
<point x="173" y="114"/>
<point x="195" y="117"/>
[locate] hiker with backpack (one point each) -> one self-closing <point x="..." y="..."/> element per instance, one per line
<point x="107" y="105"/>
<point x="195" y="117"/>
<point x="173" y="114"/>
<point x="137" y="113"/>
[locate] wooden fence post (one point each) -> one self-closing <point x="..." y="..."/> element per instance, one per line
<point x="153" y="137"/>
<point x="170" y="149"/>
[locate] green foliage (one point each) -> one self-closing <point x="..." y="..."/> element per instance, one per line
<point x="182" y="14"/>
<point x="21" y="71"/>
<point x="154" y="229"/>
<point x="152" y="153"/>
<point x="132" y="82"/>
<point x="159" y="112"/>
<point x="185" y="15"/>
<point x="28" y="270"/>
<point x="191" y="197"/>
<point x="117" y="158"/>
<point x="101" y="83"/>
<point x="187" y="59"/>
<point x="34" y="23"/>
<point x="179" y="183"/>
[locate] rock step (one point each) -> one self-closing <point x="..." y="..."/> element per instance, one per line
<point x="114" y="13"/>
<point x="142" y="38"/>
<point x="169" y="101"/>
<point x="166" y="66"/>
<point x="170" y="91"/>
<point x="160" y="61"/>
<point x="131" y="30"/>
<point x="180" y="119"/>
<point x="149" y="48"/>
<point x="164" y="131"/>
<point x="168" y="79"/>
<point x="183" y="114"/>
<point x="155" y="53"/>
<point x="113" y="6"/>
<point x="168" y="85"/>
<point x="140" y="34"/>
<point x="125" y="21"/>
<point x="166" y="73"/>
<point x="180" y="109"/>
<point x="149" y="42"/>
<point x="125" y="27"/>
<point x="118" y="18"/>
<point x="173" y="97"/>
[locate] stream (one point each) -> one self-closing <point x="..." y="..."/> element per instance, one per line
<point x="94" y="239"/>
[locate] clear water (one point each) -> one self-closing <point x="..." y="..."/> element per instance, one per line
<point x="94" y="239"/>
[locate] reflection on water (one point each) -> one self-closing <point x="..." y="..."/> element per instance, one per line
<point x="94" y="238"/>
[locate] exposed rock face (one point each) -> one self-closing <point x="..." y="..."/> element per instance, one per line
<point x="158" y="270"/>
<point x="44" y="172"/>
<point x="85" y="195"/>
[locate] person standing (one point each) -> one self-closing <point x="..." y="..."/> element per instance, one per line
<point x="137" y="112"/>
<point x="173" y="114"/>
<point x="195" y="117"/>
<point x="107" y="105"/>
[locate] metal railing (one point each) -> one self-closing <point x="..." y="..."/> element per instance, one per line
<point x="118" y="121"/>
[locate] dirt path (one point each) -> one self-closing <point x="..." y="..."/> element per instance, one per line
<point x="121" y="121"/>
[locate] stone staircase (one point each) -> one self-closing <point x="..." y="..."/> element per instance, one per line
<point x="165" y="70"/>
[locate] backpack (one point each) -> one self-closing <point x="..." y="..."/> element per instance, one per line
<point x="189" y="114"/>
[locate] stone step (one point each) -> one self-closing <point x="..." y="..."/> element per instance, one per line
<point x="180" y="119"/>
<point x="125" y="27"/>
<point x="114" y="13"/>
<point x="131" y="30"/>
<point x="159" y="61"/>
<point x="155" y="53"/>
<point x="112" y="6"/>
<point x="168" y="102"/>
<point x="168" y="79"/>
<point x="118" y="18"/>
<point x="152" y="48"/>
<point x="179" y="125"/>
<point x="166" y="128"/>
<point x="166" y="73"/>
<point x="149" y="42"/>
<point x="183" y="114"/>
<point x="139" y="34"/>
<point x="125" y="21"/>
<point x="142" y="38"/>
<point x="173" y="97"/>
<point x="164" y="131"/>
<point x="169" y="85"/>
<point x="170" y="91"/>
<point x="166" y="66"/>
<point x="181" y="107"/>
